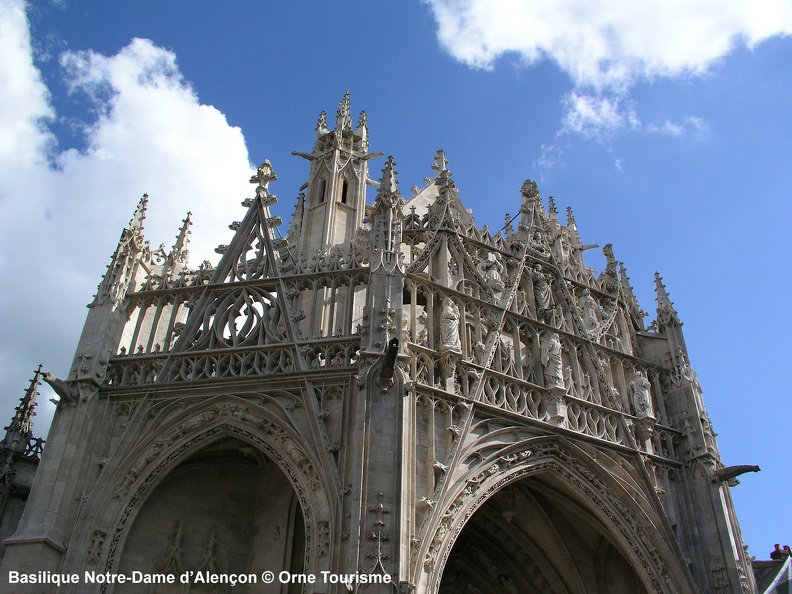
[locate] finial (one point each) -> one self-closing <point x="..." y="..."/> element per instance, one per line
<point x="551" y="206"/>
<point x="140" y="214"/>
<point x="440" y="162"/>
<point x="321" y="124"/>
<point x="343" y="117"/>
<point x="264" y="175"/>
<point x="530" y="190"/>
<point x="363" y="120"/>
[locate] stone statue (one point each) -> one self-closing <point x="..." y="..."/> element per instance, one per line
<point x="541" y="288"/>
<point x="588" y="310"/>
<point x="641" y="396"/>
<point x="551" y="361"/>
<point x="491" y="269"/>
<point x="449" y="326"/>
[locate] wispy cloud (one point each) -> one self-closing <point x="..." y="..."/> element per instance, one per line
<point x="596" y="116"/>
<point x="691" y="126"/>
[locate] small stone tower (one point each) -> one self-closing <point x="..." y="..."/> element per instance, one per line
<point x="387" y="398"/>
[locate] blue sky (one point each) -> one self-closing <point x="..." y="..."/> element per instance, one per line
<point x="666" y="127"/>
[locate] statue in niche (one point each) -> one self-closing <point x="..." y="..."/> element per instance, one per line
<point x="541" y="288"/>
<point x="491" y="269"/>
<point x="589" y="310"/>
<point x="449" y="327"/>
<point x="551" y="361"/>
<point x="641" y="396"/>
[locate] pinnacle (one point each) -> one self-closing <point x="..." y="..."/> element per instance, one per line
<point x="664" y="304"/>
<point x="182" y="239"/>
<point x="660" y="289"/>
<point x="570" y="218"/>
<point x="140" y="213"/>
<point x="388" y="182"/>
<point x="22" y="422"/>
<point x="343" y="117"/>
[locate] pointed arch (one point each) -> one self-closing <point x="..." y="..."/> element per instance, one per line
<point x="552" y="465"/>
<point x="114" y="507"/>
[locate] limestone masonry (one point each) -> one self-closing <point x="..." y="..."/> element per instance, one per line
<point x="386" y="392"/>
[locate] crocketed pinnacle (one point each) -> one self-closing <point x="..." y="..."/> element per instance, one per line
<point x="666" y="314"/>
<point x="140" y="214"/>
<point x="388" y="182"/>
<point x="20" y="430"/>
<point x="343" y="115"/>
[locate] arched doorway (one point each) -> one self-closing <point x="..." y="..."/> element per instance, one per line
<point x="228" y="508"/>
<point x="535" y="536"/>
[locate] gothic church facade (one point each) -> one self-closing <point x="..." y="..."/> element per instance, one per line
<point x="386" y="389"/>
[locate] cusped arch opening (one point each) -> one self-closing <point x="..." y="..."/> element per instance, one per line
<point x="535" y="536"/>
<point x="228" y="509"/>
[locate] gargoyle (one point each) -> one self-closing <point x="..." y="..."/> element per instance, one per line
<point x="389" y="362"/>
<point x="730" y="472"/>
<point x="62" y="389"/>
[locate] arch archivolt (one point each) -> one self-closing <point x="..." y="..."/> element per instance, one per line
<point x="117" y="498"/>
<point x="626" y="518"/>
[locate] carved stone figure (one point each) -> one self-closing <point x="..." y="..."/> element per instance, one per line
<point x="491" y="269"/>
<point x="551" y="361"/>
<point x="589" y="310"/>
<point x="641" y="396"/>
<point x="449" y="326"/>
<point x="541" y="288"/>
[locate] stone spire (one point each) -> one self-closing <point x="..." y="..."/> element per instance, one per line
<point x="20" y="431"/>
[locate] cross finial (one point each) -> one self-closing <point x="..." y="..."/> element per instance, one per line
<point x="440" y="162"/>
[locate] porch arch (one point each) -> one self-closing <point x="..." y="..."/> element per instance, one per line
<point x="118" y="498"/>
<point x="629" y="529"/>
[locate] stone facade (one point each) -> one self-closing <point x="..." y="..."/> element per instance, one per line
<point x="387" y="389"/>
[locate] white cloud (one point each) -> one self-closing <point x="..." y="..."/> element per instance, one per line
<point x="61" y="212"/>
<point x="606" y="46"/>
<point x="596" y="116"/>
<point x="24" y="101"/>
<point x="608" y="43"/>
